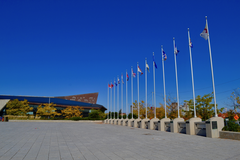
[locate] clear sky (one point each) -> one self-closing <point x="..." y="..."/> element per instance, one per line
<point x="58" y="48"/>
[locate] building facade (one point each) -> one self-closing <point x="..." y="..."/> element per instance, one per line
<point x="61" y="102"/>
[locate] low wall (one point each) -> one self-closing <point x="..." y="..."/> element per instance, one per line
<point x="229" y="135"/>
<point x="62" y="121"/>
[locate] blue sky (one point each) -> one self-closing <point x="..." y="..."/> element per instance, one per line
<point x="58" y="48"/>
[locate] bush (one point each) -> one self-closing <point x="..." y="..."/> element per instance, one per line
<point x="130" y="116"/>
<point x="232" y="126"/>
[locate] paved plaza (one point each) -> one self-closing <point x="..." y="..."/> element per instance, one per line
<point x="95" y="141"/>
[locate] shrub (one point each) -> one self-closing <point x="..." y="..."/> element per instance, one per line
<point x="232" y="126"/>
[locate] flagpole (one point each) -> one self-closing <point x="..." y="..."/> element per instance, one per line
<point x="138" y="87"/>
<point x="146" y="85"/>
<point x="132" y="89"/>
<point x="111" y="101"/>
<point x="215" y="104"/>
<point x="122" y="96"/>
<point x="164" y="85"/>
<point x="117" y="98"/>
<point x="108" y="101"/>
<point x="126" y="97"/>
<point x="114" y="99"/>
<point x="190" y="51"/>
<point x="176" y="75"/>
<point x="154" y="88"/>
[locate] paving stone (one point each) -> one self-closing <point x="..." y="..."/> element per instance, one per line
<point x="91" y="141"/>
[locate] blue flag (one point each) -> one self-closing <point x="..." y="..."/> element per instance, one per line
<point x="154" y="62"/>
<point x="164" y="55"/>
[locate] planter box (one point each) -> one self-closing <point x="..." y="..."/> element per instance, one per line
<point x="229" y="135"/>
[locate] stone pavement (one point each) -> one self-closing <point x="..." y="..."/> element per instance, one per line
<point x="92" y="141"/>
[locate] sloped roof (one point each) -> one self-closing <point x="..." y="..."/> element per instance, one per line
<point x="86" y="98"/>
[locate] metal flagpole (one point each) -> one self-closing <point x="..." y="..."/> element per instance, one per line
<point x="126" y="97"/>
<point x="176" y="75"/>
<point x="118" y="99"/>
<point x="154" y="88"/>
<point x="190" y="51"/>
<point x="108" y="102"/>
<point x="146" y="85"/>
<point x="212" y="70"/>
<point x="165" y="105"/>
<point x="122" y="95"/>
<point x="152" y="99"/>
<point x="111" y="101"/>
<point x="114" y="99"/>
<point x="138" y="88"/>
<point x="132" y="90"/>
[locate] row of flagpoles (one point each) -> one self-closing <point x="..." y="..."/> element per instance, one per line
<point x="204" y="34"/>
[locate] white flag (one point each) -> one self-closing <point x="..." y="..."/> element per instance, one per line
<point x="147" y="67"/>
<point x="204" y="33"/>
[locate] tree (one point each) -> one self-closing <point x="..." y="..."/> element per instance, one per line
<point x="96" y="114"/>
<point x="204" y="107"/>
<point x="47" y="111"/>
<point x="235" y="99"/>
<point x="72" y="111"/>
<point x="16" y="107"/>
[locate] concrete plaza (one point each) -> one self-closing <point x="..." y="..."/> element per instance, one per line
<point x="92" y="141"/>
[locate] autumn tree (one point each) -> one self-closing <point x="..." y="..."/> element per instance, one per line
<point x="16" y="107"/>
<point x="204" y="107"/>
<point x="235" y="98"/>
<point x="72" y="111"/>
<point x="142" y="109"/>
<point x="47" y="111"/>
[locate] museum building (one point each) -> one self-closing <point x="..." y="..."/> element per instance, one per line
<point x="86" y="101"/>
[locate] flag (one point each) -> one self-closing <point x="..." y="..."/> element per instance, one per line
<point x="164" y="55"/>
<point x="118" y="81"/>
<point x="176" y="51"/>
<point x="109" y="86"/>
<point x="127" y="77"/>
<point x="147" y="67"/>
<point x="204" y="33"/>
<point x="190" y="43"/>
<point x="112" y="85"/>
<point x="122" y="80"/>
<point x="115" y="83"/>
<point x="133" y="74"/>
<point x="139" y="70"/>
<point x="154" y="62"/>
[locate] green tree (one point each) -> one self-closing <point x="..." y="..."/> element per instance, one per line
<point x="47" y="111"/>
<point x="96" y="114"/>
<point x="204" y="107"/>
<point x="18" y="108"/>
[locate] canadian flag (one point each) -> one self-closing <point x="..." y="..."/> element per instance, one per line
<point x="139" y="70"/>
<point x="204" y="33"/>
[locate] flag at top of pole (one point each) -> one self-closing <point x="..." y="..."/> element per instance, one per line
<point x="133" y="74"/>
<point x="122" y="80"/>
<point x="147" y="68"/>
<point x="176" y="51"/>
<point x="139" y="70"/>
<point x="164" y="55"/>
<point x="118" y="81"/>
<point x="154" y="61"/>
<point x="127" y="77"/>
<point x="190" y="43"/>
<point x="205" y="35"/>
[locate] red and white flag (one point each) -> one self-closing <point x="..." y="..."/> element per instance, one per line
<point x="139" y="70"/>
<point x="133" y="74"/>
<point x="204" y="33"/>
